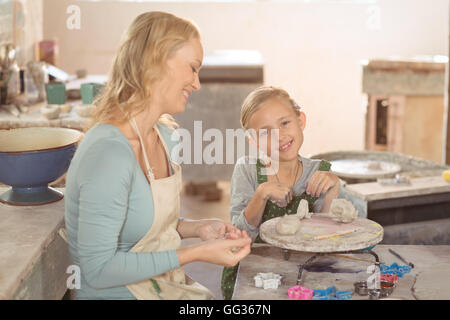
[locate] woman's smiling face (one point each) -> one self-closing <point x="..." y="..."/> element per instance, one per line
<point x="182" y="77"/>
<point x="276" y="113"/>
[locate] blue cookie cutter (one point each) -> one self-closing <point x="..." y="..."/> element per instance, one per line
<point x="332" y="294"/>
<point x="395" y="269"/>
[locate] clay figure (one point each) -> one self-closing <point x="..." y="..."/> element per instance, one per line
<point x="303" y="210"/>
<point x="342" y="210"/>
<point x="288" y="225"/>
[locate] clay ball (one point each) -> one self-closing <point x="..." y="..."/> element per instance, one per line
<point x="342" y="210"/>
<point x="288" y="225"/>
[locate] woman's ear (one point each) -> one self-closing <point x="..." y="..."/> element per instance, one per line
<point x="302" y="120"/>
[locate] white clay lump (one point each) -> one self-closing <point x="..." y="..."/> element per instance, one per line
<point x="303" y="210"/>
<point x="288" y="225"/>
<point x="342" y="210"/>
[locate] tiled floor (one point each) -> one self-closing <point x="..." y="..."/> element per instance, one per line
<point x="195" y="208"/>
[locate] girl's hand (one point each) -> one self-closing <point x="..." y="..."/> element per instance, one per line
<point x="217" y="229"/>
<point x="321" y="182"/>
<point x="278" y="193"/>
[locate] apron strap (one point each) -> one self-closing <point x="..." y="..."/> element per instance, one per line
<point x="169" y="159"/>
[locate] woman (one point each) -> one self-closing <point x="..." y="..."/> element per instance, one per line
<point x="122" y="191"/>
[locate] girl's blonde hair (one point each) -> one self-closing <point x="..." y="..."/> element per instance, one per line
<point x="139" y="63"/>
<point x="258" y="97"/>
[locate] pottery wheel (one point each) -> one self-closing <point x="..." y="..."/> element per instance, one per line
<point x="364" y="169"/>
<point x="367" y="234"/>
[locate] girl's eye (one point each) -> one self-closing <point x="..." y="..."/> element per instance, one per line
<point x="285" y="123"/>
<point x="194" y="70"/>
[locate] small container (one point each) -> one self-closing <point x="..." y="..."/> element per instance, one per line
<point x="85" y="110"/>
<point x="389" y="277"/>
<point x="361" y="288"/>
<point x="51" y="111"/>
<point x="375" y="294"/>
<point x="89" y="92"/>
<point x="56" y="93"/>
<point x="387" y="287"/>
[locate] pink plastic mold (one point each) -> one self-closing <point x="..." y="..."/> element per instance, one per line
<point x="300" y="293"/>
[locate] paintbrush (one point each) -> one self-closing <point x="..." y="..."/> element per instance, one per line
<point x="401" y="258"/>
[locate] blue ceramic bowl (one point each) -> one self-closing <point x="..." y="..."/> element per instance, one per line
<point x="31" y="158"/>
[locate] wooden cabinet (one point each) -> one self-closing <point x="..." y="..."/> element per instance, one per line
<point x="405" y="110"/>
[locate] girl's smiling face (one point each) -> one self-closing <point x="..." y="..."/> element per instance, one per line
<point x="276" y="113"/>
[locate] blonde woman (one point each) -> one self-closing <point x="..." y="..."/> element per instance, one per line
<point x="122" y="191"/>
<point x="256" y="195"/>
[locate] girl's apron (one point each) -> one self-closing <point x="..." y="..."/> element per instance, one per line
<point x="270" y="211"/>
<point x="163" y="236"/>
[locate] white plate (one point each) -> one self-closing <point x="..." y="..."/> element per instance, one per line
<point x="364" y="169"/>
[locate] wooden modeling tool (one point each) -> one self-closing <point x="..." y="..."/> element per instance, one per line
<point x="336" y="234"/>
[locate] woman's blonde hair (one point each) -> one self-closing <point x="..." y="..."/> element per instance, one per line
<point x="139" y="63"/>
<point x="258" y="97"/>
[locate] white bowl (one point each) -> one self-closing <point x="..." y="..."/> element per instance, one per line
<point x="37" y="138"/>
<point x="85" y="110"/>
<point x="51" y="111"/>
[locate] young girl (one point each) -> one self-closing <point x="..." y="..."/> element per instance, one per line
<point x="259" y="193"/>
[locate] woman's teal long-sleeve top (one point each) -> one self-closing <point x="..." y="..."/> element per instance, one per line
<point x="108" y="209"/>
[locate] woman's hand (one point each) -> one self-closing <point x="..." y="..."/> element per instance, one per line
<point x="217" y="229"/>
<point x="278" y="193"/>
<point x="322" y="182"/>
<point x="224" y="252"/>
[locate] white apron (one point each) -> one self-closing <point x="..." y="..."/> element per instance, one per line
<point x="163" y="236"/>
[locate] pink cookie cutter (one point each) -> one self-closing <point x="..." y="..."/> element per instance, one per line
<point x="389" y="277"/>
<point x="300" y="293"/>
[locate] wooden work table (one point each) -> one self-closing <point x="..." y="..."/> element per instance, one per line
<point x="329" y="270"/>
<point x="33" y="257"/>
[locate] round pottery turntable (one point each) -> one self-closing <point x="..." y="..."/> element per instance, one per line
<point x="312" y="235"/>
<point x="364" y="169"/>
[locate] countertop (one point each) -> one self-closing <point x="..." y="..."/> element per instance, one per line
<point x="28" y="235"/>
<point x="329" y="270"/>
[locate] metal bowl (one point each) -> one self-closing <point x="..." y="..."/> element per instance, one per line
<point x="386" y="289"/>
<point x="31" y="158"/>
<point x="361" y="288"/>
<point x="375" y="294"/>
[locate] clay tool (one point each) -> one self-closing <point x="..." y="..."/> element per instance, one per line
<point x="336" y="234"/>
<point x="400" y="257"/>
